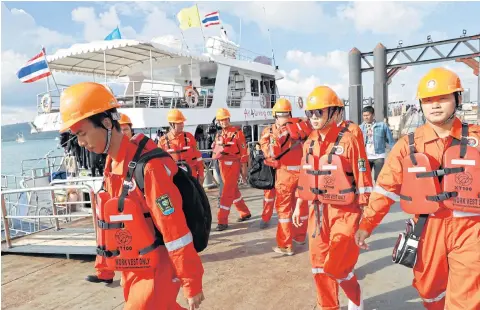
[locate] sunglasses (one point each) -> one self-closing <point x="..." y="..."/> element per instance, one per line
<point x="318" y="113"/>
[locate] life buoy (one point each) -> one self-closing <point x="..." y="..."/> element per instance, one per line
<point x="191" y="97"/>
<point x="300" y="102"/>
<point x="46" y="103"/>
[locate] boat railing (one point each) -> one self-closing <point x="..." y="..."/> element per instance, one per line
<point x="265" y="100"/>
<point x="155" y="94"/>
<point x="139" y="94"/>
<point x="10" y="181"/>
<point x="468" y="116"/>
<point x="54" y="215"/>
<point x="228" y="49"/>
<point x="39" y="167"/>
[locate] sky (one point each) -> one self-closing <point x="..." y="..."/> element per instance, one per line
<point x="311" y="40"/>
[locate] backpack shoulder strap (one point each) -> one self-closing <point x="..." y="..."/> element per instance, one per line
<point x="463" y="141"/>
<point x="142" y="161"/>
<point x="411" y="147"/>
<point x="332" y="151"/>
<point x="127" y="183"/>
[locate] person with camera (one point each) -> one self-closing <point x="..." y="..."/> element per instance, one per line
<point x="434" y="173"/>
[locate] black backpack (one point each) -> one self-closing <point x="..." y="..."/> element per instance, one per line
<point x="261" y="176"/>
<point x="195" y="204"/>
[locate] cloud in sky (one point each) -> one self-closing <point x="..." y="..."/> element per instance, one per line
<point x="311" y="44"/>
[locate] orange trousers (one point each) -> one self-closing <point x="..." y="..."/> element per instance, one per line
<point x="333" y="254"/>
<point x="447" y="271"/>
<point x="285" y="186"/>
<point x="101" y="268"/>
<point x="152" y="290"/>
<point x="268" y="204"/>
<point x="230" y="172"/>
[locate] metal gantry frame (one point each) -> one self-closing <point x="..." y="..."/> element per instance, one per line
<point x="385" y="67"/>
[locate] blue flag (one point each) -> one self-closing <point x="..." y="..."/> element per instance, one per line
<point x="114" y="35"/>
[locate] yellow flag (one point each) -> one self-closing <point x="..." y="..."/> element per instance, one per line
<point x="189" y="18"/>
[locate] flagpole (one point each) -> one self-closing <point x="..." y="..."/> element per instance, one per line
<point x="181" y="32"/>
<point x="51" y="72"/>
<point x="201" y="27"/>
<point x="270" y="39"/>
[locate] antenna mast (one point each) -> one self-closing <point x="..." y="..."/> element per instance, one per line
<point x="270" y="39"/>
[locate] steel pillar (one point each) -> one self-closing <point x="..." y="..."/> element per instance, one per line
<point x="380" y="95"/>
<point x="355" y="90"/>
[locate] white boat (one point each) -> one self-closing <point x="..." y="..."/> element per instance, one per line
<point x="149" y="79"/>
<point x="20" y="138"/>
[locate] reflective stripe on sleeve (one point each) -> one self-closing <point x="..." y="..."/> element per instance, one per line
<point x="179" y="243"/>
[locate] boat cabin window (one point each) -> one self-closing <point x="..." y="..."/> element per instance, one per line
<point x="254" y="87"/>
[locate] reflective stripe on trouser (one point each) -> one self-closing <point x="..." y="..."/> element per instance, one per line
<point x="285" y="185"/>
<point x="333" y="255"/>
<point x="101" y="268"/>
<point x="268" y="204"/>
<point x="446" y="274"/>
<point x="230" y="172"/>
<point x="155" y="289"/>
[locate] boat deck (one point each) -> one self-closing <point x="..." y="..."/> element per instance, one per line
<point x="241" y="270"/>
<point x="75" y="238"/>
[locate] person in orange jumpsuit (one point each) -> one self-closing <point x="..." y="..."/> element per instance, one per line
<point x="182" y="145"/>
<point x="88" y="110"/>
<point x="233" y="162"/>
<point x="287" y="172"/>
<point x="102" y="272"/>
<point x="333" y="252"/>
<point x="126" y="125"/>
<point x="339" y="118"/>
<point x="268" y="194"/>
<point x="447" y="269"/>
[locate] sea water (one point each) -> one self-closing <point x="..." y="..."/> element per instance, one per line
<point x="13" y="153"/>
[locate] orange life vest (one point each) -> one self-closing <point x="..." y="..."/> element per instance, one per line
<point x="421" y="192"/>
<point x="308" y="167"/>
<point x="126" y="236"/>
<point x="225" y="148"/>
<point x="181" y="154"/>
<point x="328" y="180"/>
<point x="466" y="182"/>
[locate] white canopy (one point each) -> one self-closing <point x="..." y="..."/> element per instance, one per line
<point x="117" y="57"/>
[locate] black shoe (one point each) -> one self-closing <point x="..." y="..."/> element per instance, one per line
<point x="221" y="227"/>
<point x="95" y="279"/>
<point x="243" y="219"/>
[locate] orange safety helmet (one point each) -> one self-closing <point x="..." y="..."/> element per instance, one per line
<point x="124" y="119"/>
<point x="83" y="100"/>
<point x="175" y="116"/>
<point x="222" y="114"/>
<point x="282" y="106"/>
<point x="322" y="97"/>
<point x="438" y="82"/>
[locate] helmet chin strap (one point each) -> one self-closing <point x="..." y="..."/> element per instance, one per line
<point x="109" y="139"/>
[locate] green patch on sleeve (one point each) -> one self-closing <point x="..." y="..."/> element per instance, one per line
<point x="165" y="205"/>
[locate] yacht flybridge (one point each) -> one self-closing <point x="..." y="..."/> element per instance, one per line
<point x="149" y="78"/>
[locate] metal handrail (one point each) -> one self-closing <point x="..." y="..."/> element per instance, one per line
<point x="76" y="180"/>
<point x="5" y="216"/>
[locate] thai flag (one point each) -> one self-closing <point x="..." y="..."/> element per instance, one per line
<point x="35" y="69"/>
<point x="211" y="19"/>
